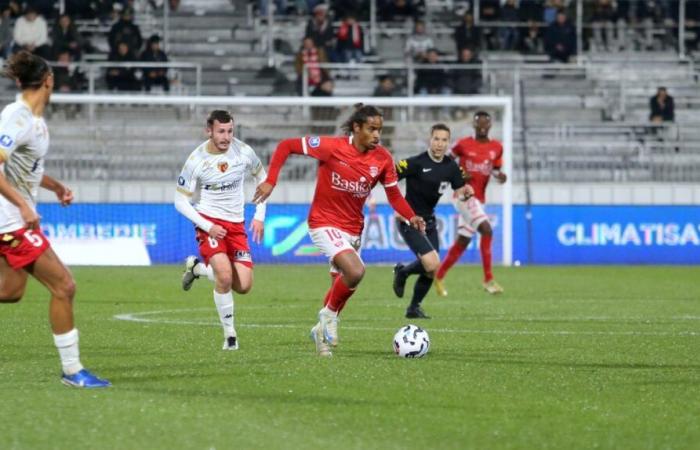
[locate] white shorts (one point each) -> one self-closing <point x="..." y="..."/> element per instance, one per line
<point x="332" y="241"/>
<point x="471" y="215"/>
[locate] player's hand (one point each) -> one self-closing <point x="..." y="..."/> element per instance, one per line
<point x="466" y="176"/>
<point x="262" y="192"/>
<point x="64" y="195"/>
<point x="30" y="217"/>
<point x="258" y="229"/>
<point x="500" y="176"/>
<point x="217" y="231"/>
<point x="467" y="192"/>
<point x="418" y="223"/>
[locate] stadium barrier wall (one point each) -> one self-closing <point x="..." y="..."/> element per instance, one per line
<point x="580" y="234"/>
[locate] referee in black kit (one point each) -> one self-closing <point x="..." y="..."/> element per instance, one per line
<point x="427" y="176"/>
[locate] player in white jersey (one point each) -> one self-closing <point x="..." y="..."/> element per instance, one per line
<point x="210" y="194"/>
<point x="24" y="250"/>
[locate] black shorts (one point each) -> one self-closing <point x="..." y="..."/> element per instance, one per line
<point x="420" y="243"/>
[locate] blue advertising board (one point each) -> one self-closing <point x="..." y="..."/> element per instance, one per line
<point x="559" y="234"/>
<point x="608" y="234"/>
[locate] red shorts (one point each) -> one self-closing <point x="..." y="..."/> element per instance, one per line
<point x="234" y="244"/>
<point x="22" y="247"/>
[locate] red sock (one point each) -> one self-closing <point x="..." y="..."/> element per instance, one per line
<point x="452" y="256"/>
<point x="339" y="294"/>
<point x="334" y="276"/>
<point x="485" y="246"/>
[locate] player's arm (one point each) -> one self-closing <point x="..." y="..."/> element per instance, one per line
<point x="185" y="187"/>
<point x="63" y="193"/>
<point x="405" y="168"/>
<point x="29" y="216"/>
<point x="462" y="190"/>
<point x="12" y="132"/>
<point x="499" y="175"/>
<point x="257" y="226"/>
<point x="390" y="180"/>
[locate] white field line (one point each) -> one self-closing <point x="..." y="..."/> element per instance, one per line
<point x="145" y="317"/>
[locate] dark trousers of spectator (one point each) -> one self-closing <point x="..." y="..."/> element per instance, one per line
<point x="123" y="83"/>
<point x="158" y="80"/>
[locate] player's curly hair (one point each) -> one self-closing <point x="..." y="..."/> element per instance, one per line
<point x="360" y="115"/>
<point x="28" y="70"/>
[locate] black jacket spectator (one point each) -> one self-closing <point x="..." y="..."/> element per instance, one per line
<point x="65" y="37"/>
<point x="124" y="30"/>
<point x="467" y="81"/>
<point x="156" y="76"/>
<point x="430" y="81"/>
<point x="320" y="29"/>
<point x="399" y="10"/>
<point x="122" y="78"/>
<point x="661" y="107"/>
<point x="467" y="35"/>
<point x="560" y="39"/>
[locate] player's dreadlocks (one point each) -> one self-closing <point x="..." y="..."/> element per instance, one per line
<point x="360" y="115"/>
<point x="27" y="69"/>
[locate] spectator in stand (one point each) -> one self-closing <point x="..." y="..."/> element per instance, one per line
<point x="418" y="43"/>
<point x="320" y="29"/>
<point x="45" y="8"/>
<point x="532" y="10"/>
<point x="350" y="40"/>
<point x="532" y="43"/>
<point x="6" y="32"/>
<point x="122" y="78"/>
<point x="692" y="24"/>
<point x="432" y="81"/>
<point x="466" y="34"/>
<point x="467" y="81"/>
<point x="155" y="76"/>
<point x="399" y="10"/>
<point x="65" y="37"/>
<point x="560" y="39"/>
<point x="66" y="75"/>
<point x="356" y="8"/>
<point x="311" y="56"/>
<point x="661" y="107"/>
<point x="551" y="8"/>
<point x="32" y="34"/>
<point x="489" y="12"/>
<point x="15" y="8"/>
<point x="386" y="87"/>
<point x="603" y="24"/>
<point x="124" y="30"/>
<point x="509" y="35"/>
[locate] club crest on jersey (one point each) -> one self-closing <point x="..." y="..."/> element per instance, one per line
<point x="373" y="171"/>
<point x="314" y="141"/>
<point x="223" y="167"/>
<point x="6" y="141"/>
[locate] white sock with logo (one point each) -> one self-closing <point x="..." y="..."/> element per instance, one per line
<point x="202" y="270"/>
<point x="67" y="345"/>
<point x="224" y="305"/>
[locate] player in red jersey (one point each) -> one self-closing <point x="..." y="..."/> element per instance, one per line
<point x="480" y="158"/>
<point x="349" y="167"/>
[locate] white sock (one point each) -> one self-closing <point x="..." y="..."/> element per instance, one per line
<point x="325" y="310"/>
<point x="67" y="345"/>
<point x="224" y="305"/>
<point x="202" y="270"/>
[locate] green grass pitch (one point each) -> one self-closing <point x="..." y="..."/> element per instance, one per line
<point x="573" y="357"/>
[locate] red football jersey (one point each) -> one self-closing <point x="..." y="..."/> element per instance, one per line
<point x="345" y="178"/>
<point x="479" y="159"/>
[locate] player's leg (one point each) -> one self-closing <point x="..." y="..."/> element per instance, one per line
<point x="467" y="212"/>
<point x="486" y="233"/>
<point x="12" y="282"/>
<point x="425" y="261"/>
<point x="342" y="251"/>
<point x="50" y="271"/>
<point x="430" y="262"/>
<point x="222" y="269"/>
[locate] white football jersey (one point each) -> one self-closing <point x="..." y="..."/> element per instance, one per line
<point x="24" y="142"/>
<point x="216" y="179"/>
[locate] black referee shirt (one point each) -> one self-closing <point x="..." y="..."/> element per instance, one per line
<point x="426" y="180"/>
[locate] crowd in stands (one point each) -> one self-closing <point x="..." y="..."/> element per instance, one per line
<point x="37" y="27"/>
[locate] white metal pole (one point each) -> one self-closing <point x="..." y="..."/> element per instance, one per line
<point x="507" y="204"/>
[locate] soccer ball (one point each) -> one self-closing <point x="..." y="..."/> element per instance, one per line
<point x="411" y="342"/>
